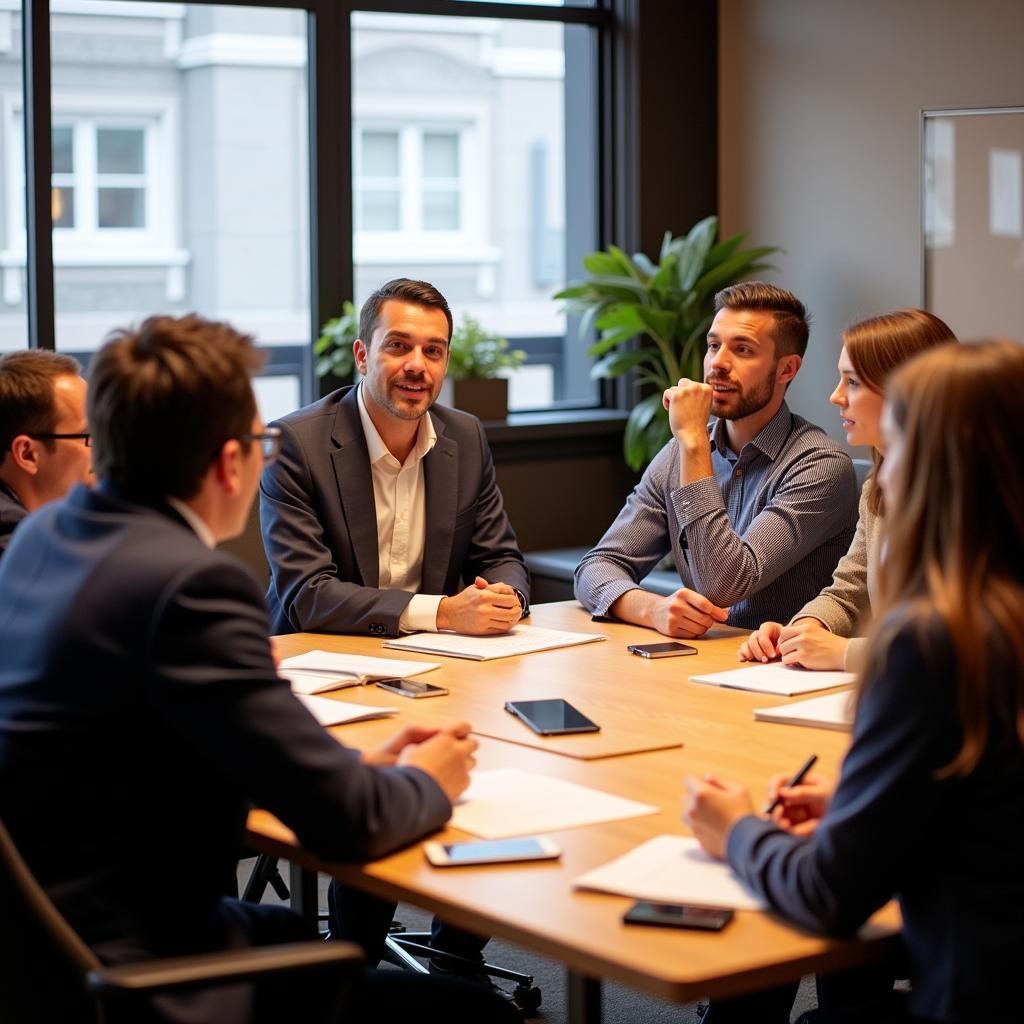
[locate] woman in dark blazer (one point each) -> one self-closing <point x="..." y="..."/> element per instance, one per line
<point x="929" y="808"/>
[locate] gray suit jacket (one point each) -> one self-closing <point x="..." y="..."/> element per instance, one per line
<point x="319" y="522"/>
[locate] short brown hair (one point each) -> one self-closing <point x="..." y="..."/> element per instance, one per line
<point x="792" y="321"/>
<point x="419" y="293"/>
<point x="26" y="393"/>
<point x="164" y="398"/>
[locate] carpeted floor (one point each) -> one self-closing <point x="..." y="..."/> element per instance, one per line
<point x="621" y="1005"/>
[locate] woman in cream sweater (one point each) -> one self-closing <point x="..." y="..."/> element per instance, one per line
<point x="823" y="634"/>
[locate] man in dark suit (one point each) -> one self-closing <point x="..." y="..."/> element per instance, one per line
<point x="379" y="505"/>
<point x="44" y="439"/>
<point x="140" y="708"/>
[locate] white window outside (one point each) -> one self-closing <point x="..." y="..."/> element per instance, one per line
<point x="115" y="190"/>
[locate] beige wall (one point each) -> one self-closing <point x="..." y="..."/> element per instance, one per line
<point x="819" y="144"/>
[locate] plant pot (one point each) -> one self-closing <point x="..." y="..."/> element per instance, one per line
<point x="485" y="399"/>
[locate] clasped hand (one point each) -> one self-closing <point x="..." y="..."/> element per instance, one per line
<point x="806" y="642"/>
<point x="445" y="754"/>
<point x="481" y="609"/>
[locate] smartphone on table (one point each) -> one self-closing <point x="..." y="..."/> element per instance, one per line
<point x="678" y="915"/>
<point x="490" y="851"/>
<point x="551" y="717"/>
<point x="665" y="650"/>
<point x="411" y="688"/>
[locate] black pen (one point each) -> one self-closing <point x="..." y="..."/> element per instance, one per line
<point x="795" y="781"/>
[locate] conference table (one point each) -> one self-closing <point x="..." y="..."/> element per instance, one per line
<point x="656" y="728"/>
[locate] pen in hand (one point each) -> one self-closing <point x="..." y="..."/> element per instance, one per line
<point x="794" y="781"/>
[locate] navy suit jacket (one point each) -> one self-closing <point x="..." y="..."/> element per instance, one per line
<point x="320" y="526"/>
<point x="140" y="713"/>
<point x="950" y="848"/>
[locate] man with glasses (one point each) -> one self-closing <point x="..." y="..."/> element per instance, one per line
<point x="139" y="698"/>
<point x="44" y="439"/>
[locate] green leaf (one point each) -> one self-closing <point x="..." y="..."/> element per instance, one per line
<point x="601" y="263"/>
<point x="657" y="434"/>
<point x="645" y="264"/>
<point x="699" y="242"/>
<point x="609" y="339"/>
<point x="658" y="323"/>
<point x="618" y="363"/>
<point x="621" y="314"/>
<point x="721" y="251"/>
<point x="625" y="263"/>
<point x="666" y="246"/>
<point x="634" y="443"/>
<point x="730" y="270"/>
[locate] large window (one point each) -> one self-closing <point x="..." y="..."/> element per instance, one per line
<point x="13" y="318"/>
<point x="462" y="176"/>
<point x="180" y="160"/>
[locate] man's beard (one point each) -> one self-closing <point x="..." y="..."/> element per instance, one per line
<point x="747" y="403"/>
<point x="396" y="407"/>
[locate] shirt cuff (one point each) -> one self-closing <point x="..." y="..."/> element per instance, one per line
<point x="695" y="501"/>
<point x="420" y="615"/>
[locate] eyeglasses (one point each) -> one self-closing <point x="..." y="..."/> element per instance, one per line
<point x="87" y="438"/>
<point x="269" y="442"/>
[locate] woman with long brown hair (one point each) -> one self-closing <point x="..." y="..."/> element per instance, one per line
<point x="929" y="807"/>
<point x="823" y="634"/>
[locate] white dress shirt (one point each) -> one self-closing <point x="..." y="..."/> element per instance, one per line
<point x="198" y="524"/>
<point x="399" y="494"/>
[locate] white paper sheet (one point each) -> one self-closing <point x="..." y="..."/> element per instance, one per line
<point x="321" y="671"/>
<point x="672" y="869"/>
<point x="833" y="711"/>
<point x="520" y="640"/>
<point x="507" y="802"/>
<point x="778" y="679"/>
<point x="339" y="712"/>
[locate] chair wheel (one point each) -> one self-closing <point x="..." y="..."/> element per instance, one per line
<point x="528" y="999"/>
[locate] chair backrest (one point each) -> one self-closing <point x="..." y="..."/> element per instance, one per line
<point x="42" y="961"/>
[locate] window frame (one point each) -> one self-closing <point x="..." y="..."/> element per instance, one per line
<point x="329" y="32"/>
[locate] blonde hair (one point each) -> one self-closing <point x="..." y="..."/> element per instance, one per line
<point x="954" y="534"/>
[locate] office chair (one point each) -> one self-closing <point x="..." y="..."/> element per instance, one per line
<point x="404" y="948"/>
<point x="47" y="973"/>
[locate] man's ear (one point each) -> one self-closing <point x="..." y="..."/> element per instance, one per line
<point x="25" y="453"/>
<point x="789" y="366"/>
<point x="359" y="350"/>
<point x="227" y="467"/>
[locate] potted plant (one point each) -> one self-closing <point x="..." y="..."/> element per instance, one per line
<point x="653" y="319"/>
<point x="474" y="382"/>
<point x="335" y="362"/>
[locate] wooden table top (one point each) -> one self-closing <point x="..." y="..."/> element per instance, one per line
<point x="535" y="904"/>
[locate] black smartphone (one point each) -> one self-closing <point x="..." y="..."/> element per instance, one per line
<point x="678" y="915"/>
<point x="551" y="717"/>
<point x="411" y="688"/>
<point x="666" y="650"/>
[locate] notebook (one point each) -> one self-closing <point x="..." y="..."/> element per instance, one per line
<point x="833" y="711"/>
<point x="520" y="640"/>
<point x="322" y="671"/>
<point x="781" y="680"/>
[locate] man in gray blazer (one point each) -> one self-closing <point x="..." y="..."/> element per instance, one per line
<point x="379" y="505"/>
